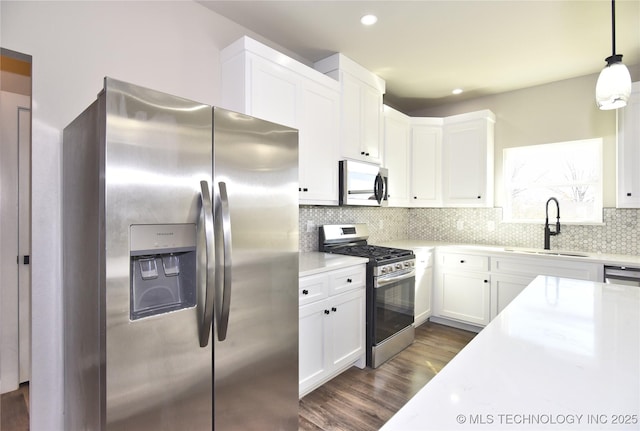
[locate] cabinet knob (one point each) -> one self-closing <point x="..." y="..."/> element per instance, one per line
<point x="486" y="281"/>
<point x="479" y="197"/>
<point x="334" y="309"/>
<point x="349" y="280"/>
<point x="462" y="261"/>
<point x="299" y="189"/>
<point x="305" y="189"/>
<point x="305" y="292"/>
<point x="362" y="153"/>
<point x="326" y="311"/>
<point x="628" y="194"/>
<point x="366" y="154"/>
<point x="415" y="197"/>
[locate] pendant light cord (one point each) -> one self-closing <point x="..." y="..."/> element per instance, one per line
<point x="613" y="27"/>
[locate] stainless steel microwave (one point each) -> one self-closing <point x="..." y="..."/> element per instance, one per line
<point x="363" y="184"/>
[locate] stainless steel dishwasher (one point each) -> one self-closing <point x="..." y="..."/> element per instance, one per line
<point x="622" y="275"/>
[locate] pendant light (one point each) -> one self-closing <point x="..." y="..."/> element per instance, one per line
<point x="614" y="83"/>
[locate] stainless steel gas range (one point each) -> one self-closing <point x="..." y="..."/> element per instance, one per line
<point x="390" y="289"/>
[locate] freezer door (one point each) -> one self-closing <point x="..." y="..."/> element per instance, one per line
<point x="256" y="322"/>
<point x="158" y="151"/>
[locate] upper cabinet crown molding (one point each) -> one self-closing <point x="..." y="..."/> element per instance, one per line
<point x="361" y="116"/>
<point x="336" y="63"/>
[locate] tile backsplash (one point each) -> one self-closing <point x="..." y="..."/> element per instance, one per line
<point x="618" y="235"/>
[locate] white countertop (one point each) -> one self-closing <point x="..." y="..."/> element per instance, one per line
<point x="315" y="262"/>
<point x="564" y="355"/>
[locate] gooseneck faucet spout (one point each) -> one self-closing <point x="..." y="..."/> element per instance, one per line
<point x="547" y="230"/>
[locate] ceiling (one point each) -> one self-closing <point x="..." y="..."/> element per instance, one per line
<point x="424" y="49"/>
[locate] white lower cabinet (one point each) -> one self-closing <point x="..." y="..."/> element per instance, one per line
<point x="509" y="276"/>
<point x="332" y="325"/>
<point x="465" y="297"/>
<point x="463" y="288"/>
<point x="424" y="285"/>
<point x="504" y="289"/>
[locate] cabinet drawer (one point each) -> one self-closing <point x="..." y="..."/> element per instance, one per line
<point x="545" y="265"/>
<point x="313" y="288"/>
<point x="465" y="262"/>
<point x="347" y="279"/>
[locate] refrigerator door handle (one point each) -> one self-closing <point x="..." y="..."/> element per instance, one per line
<point x="223" y="260"/>
<point x="209" y="274"/>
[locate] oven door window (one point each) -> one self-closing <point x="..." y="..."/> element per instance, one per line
<point x="394" y="308"/>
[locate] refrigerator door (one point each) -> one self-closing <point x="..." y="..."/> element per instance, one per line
<point x="158" y="151"/>
<point x="256" y="325"/>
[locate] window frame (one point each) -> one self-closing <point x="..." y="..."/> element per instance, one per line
<point x="596" y="217"/>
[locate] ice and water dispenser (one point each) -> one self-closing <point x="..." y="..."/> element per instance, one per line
<point x="163" y="268"/>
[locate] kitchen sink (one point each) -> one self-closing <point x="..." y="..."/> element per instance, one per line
<point x="547" y="252"/>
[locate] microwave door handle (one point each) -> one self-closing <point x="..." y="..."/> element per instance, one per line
<point x="378" y="188"/>
<point x="223" y="261"/>
<point x="205" y="260"/>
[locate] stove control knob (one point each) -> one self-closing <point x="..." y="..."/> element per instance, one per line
<point x="383" y="270"/>
<point x="398" y="266"/>
<point x="407" y="264"/>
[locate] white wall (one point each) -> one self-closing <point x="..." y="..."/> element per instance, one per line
<point x="171" y="46"/>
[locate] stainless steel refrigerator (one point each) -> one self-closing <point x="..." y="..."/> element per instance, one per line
<point x="180" y="267"/>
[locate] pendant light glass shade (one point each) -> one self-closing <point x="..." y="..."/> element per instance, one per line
<point x="613" y="87"/>
<point x="614" y="83"/>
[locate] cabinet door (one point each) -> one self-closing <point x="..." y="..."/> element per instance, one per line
<point x="361" y="121"/>
<point x="319" y="136"/>
<point x="372" y="123"/>
<point x="629" y="151"/>
<point x="347" y="323"/>
<point x="426" y="162"/>
<point x="396" y="149"/>
<point x="465" y="297"/>
<point x="504" y="289"/>
<point x="424" y="283"/>
<point x="313" y="355"/>
<point x="273" y="93"/>
<point x="350" y="118"/>
<point x="468" y="163"/>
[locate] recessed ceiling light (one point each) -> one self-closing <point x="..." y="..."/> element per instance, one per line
<point x="369" y="19"/>
<point x="457" y="91"/>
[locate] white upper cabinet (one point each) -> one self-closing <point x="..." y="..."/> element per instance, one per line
<point x="262" y="82"/>
<point x="426" y="162"/>
<point x="628" y="195"/>
<point x="397" y="128"/>
<point x="467" y="157"/>
<point x="361" y="118"/>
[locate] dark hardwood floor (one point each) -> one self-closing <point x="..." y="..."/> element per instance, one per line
<point x="14" y="409"/>
<point x="357" y="400"/>
<point x="363" y="400"/>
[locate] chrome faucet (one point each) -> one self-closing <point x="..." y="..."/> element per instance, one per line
<point x="547" y="231"/>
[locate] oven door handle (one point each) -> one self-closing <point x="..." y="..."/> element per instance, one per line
<point x="385" y="281"/>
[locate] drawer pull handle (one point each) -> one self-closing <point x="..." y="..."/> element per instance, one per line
<point x="349" y="280"/>
<point x="334" y="309"/>
<point x="305" y="292"/>
<point x="326" y="311"/>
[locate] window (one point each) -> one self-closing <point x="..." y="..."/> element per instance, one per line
<point x="569" y="171"/>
